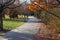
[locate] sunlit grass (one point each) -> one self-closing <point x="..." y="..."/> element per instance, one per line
<point x="9" y="25"/>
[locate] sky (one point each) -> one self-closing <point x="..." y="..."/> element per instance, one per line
<point x="21" y="1"/>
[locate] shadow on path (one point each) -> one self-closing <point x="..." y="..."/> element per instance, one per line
<point x="25" y="32"/>
<point x="18" y="36"/>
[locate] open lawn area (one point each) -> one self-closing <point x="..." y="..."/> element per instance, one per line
<point x="11" y="24"/>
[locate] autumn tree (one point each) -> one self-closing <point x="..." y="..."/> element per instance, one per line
<point x="38" y="9"/>
<point x="34" y="8"/>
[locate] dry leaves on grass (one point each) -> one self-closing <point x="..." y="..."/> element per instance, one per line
<point x="46" y="33"/>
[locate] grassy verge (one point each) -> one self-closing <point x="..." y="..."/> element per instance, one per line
<point x="12" y="23"/>
<point x="55" y="23"/>
<point x="9" y="24"/>
<point x="52" y="20"/>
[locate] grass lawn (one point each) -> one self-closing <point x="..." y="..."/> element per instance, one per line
<point x="9" y="25"/>
<point x="12" y="23"/>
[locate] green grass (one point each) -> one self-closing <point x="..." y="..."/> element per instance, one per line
<point x="9" y="25"/>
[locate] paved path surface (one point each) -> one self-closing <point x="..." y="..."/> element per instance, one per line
<point x="24" y="32"/>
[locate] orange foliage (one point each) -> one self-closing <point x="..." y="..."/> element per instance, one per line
<point x="33" y="8"/>
<point x="45" y="7"/>
<point x="37" y="9"/>
<point x="26" y="8"/>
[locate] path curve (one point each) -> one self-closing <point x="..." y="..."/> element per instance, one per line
<point x="24" y="32"/>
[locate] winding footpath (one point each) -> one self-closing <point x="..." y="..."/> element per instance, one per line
<point x="26" y="31"/>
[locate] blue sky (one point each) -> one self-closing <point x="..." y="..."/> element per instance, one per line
<point x="24" y="0"/>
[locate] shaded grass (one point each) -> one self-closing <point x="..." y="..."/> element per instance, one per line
<point x="51" y="20"/>
<point x="54" y="21"/>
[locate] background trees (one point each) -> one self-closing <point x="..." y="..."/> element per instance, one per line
<point x="13" y="10"/>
